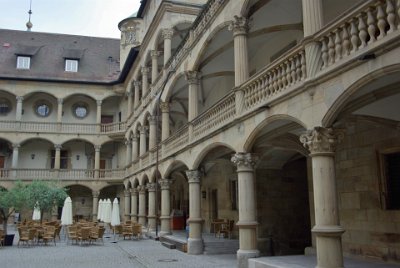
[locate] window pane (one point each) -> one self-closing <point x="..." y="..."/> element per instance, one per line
<point x="23" y="62"/>
<point x="43" y="110"/>
<point x="71" y="65"/>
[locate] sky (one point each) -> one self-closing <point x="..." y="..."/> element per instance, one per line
<point x="79" y="17"/>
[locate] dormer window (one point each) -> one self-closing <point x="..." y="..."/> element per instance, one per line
<point x="23" y="62"/>
<point x="71" y="65"/>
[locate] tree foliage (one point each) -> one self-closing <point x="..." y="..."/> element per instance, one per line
<point x="11" y="200"/>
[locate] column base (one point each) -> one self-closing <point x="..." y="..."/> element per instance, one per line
<point x="195" y="246"/>
<point x="244" y="255"/>
<point x="163" y="233"/>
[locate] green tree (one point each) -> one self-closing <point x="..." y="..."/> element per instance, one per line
<point x="46" y="195"/>
<point x="12" y="200"/>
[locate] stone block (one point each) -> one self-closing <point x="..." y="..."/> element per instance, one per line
<point x="350" y="200"/>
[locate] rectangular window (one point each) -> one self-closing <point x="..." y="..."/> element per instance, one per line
<point x="390" y="181"/>
<point x="71" y="65"/>
<point x="23" y="62"/>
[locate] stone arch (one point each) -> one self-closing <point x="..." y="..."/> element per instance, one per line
<point x="79" y="139"/>
<point x="32" y="93"/>
<point x="78" y="184"/>
<point x="37" y="138"/>
<point x="144" y="179"/>
<point x="170" y="86"/>
<point x="206" y="150"/>
<point x="170" y="167"/>
<point x="341" y="101"/>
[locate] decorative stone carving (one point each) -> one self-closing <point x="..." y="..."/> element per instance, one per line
<point x="193" y="77"/>
<point x="97" y="148"/>
<point x="128" y="142"/>
<point x="143" y="130"/>
<point x="167" y="33"/>
<point x="244" y="160"/>
<point x="137" y="83"/>
<point x="133" y="191"/>
<point x="151" y="187"/>
<point x="57" y="146"/>
<point x="154" y="53"/>
<point x="164" y="184"/>
<point x="16" y="146"/>
<point x="126" y="193"/>
<point x="142" y="189"/>
<point x="95" y="194"/>
<point x="99" y="102"/>
<point x="19" y="98"/>
<point x="152" y="120"/>
<point x="322" y="140"/>
<point x="60" y="101"/>
<point x="164" y="106"/>
<point x="194" y="176"/>
<point x="239" y="26"/>
<point x="145" y="70"/>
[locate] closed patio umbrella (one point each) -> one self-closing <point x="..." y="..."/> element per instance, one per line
<point x="107" y="211"/>
<point x="115" y="220"/>
<point x="66" y="214"/>
<point x="36" y="212"/>
<point x="100" y="210"/>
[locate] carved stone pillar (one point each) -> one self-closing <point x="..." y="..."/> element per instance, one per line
<point x="312" y="23"/>
<point x="135" y="148"/>
<point x="127" y="204"/>
<point x="98" y="115"/>
<point x="14" y="162"/>
<point x="143" y="136"/>
<point x="167" y="35"/>
<point x="240" y="28"/>
<point x="142" y="205"/>
<point x="321" y="142"/>
<point x="247" y="223"/>
<point x="152" y="221"/>
<point x="128" y="152"/>
<point x="152" y="132"/>
<point x="59" y="110"/>
<point x="57" y="158"/>
<point x="18" y="113"/>
<point x="95" y="195"/>
<point x="154" y="65"/>
<point x="193" y="78"/>
<point x="164" y="107"/>
<point x="136" y="100"/>
<point x="129" y="105"/>
<point x="96" y="160"/>
<point x="195" y="240"/>
<point x="134" y="207"/>
<point x="165" y="207"/>
<point x="145" y="80"/>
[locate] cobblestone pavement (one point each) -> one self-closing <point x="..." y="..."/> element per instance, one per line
<point x="123" y="253"/>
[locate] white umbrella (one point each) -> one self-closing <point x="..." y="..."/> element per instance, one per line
<point x="107" y="211"/>
<point x="99" y="209"/>
<point x="115" y="220"/>
<point x="66" y="214"/>
<point x="36" y="212"/>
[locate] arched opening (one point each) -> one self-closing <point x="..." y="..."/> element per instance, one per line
<point x="79" y="108"/>
<point x="178" y="104"/>
<point x="82" y="201"/>
<point x="39" y="106"/>
<point x="110" y="111"/>
<point x="8" y="105"/>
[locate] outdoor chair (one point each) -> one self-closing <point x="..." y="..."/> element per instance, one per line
<point x="2" y="236"/>
<point x="84" y="235"/>
<point x="226" y="229"/>
<point x="72" y="233"/>
<point x="97" y="234"/>
<point x="26" y="236"/>
<point x="57" y="232"/>
<point x="49" y="234"/>
<point x="127" y="231"/>
<point x="137" y="231"/>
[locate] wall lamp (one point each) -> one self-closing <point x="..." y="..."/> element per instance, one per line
<point x="32" y="156"/>
<point x="78" y="156"/>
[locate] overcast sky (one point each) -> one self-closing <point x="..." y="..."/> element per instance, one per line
<point x="80" y="17"/>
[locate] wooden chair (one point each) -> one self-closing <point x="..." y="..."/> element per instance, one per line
<point x="226" y="229"/>
<point x="84" y="235"/>
<point x="2" y="236"/>
<point x="127" y="231"/>
<point x="72" y="233"/>
<point x="49" y="234"/>
<point x="137" y="231"/>
<point x="27" y="236"/>
<point x="97" y="233"/>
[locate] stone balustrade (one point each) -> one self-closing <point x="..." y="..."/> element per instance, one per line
<point x="176" y="141"/>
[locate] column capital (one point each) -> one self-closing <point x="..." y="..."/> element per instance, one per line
<point x="57" y="146"/>
<point x="164" y="184"/>
<point x="143" y="129"/>
<point x="129" y="94"/>
<point x="128" y="142"/>
<point x="145" y="70"/>
<point x="137" y="83"/>
<point x="152" y="120"/>
<point x="194" y="176"/>
<point x="134" y="138"/>
<point x="193" y="77"/>
<point x="151" y="187"/>
<point x="19" y="98"/>
<point x="133" y="191"/>
<point x="99" y="102"/>
<point x="60" y="101"/>
<point x="127" y="193"/>
<point x="154" y="53"/>
<point x="97" y="148"/>
<point x="244" y="161"/>
<point x="239" y="26"/>
<point x="142" y="189"/>
<point x="95" y="194"/>
<point x="16" y="145"/>
<point x="164" y="106"/>
<point x="167" y="33"/>
<point x="322" y="140"/>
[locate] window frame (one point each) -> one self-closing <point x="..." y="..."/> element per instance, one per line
<point x="8" y="102"/>
<point x="23" y="62"/>
<point x="71" y="65"/>
<point x="383" y="178"/>
<point x="42" y="102"/>
<point x="80" y="104"/>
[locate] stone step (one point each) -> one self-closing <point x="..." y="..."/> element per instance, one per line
<point x="221" y="247"/>
<point x="168" y="245"/>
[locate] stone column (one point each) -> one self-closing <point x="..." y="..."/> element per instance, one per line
<point x="18" y="114"/>
<point x="247" y="223"/>
<point x="98" y="115"/>
<point x="57" y="158"/>
<point x="95" y="195"/>
<point x="128" y="152"/>
<point x="152" y="220"/>
<point x="143" y="135"/>
<point x="136" y="101"/>
<point x="193" y="78"/>
<point x="127" y="203"/>
<point x="240" y="28"/>
<point x="135" y="148"/>
<point x="129" y="108"/>
<point x="154" y="65"/>
<point x="142" y="205"/>
<point x="152" y="132"/>
<point x="145" y="80"/>
<point x="195" y="240"/>
<point x="164" y="107"/>
<point x="167" y="35"/>
<point x="14" y="161"/>
<point x="312" y="23"/>
<point x="165" y="207"/>
<point x="134" y="208"/>
<point x="321" y="142"/>
<point x="59" y="110"/>
<point x="97" y="160"/>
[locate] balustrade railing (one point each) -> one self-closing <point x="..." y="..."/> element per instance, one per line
<point x="282" y="74"/>
<point x="359" y="29"/>
<point x="176" y="141"/>
<point x="145" y="159"/>
<point x="78" y="128"/>
<point x="113" y="127"/>
<point x="221" y="113"/>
